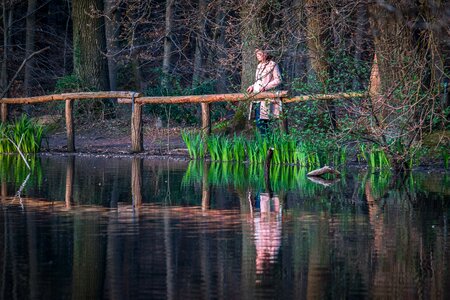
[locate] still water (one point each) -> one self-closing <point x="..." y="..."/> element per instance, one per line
<point x="124" y="228"/>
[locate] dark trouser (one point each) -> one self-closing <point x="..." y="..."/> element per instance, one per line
<point x="263" y="126"/>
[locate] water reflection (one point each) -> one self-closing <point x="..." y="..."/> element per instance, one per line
<point x="132" y="228"/>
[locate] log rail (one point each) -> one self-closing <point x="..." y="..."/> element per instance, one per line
<point x="137" y="100"/>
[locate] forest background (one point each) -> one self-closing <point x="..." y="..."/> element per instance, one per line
<point x="179" y="47"/>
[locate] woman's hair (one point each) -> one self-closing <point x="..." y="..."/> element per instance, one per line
<point x="266" y="51"/>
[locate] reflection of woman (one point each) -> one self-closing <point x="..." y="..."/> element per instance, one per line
<point x="267" y="232"/>
<point x="267" y="78"/>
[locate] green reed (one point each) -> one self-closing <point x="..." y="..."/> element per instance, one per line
<point x="194" y="143"/>
<point x="23" y="133"/>
<point x="287" y="149"/>
<point x="374" y="156"/>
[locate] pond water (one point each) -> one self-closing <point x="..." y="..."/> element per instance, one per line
<point x="130" y="228"/>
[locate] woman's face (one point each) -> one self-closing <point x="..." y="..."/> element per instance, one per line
<point x="261" y="56"/>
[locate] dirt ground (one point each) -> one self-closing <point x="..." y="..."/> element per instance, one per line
<point x="114" y="137"/>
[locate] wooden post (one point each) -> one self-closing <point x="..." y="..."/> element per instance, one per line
<point x="136" y="181"/>
<point x="137" y="144"/>
<point x="69" y="126"/>
<point x="284" y="125"/>
<point x="284" y="121"/>
<point x="206" y="119"/>
<point x="70" y="170"/>
<point x="4" y="112"/>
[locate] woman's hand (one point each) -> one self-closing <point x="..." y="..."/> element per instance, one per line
<point x="250" y="89"/>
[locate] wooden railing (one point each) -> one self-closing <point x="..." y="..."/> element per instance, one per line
<point x="137" y="101"/>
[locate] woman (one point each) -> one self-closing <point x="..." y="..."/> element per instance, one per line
<point x="267" y="77"/>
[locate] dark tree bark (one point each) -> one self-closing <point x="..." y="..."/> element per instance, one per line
<point x="318" y="41"/>
<point x="112" y="32"/>
<point x="168" y="43"/>
<point x="89" y="44"/>
<point x="199" y="47"/>
<point x="252" y="35"/>
<point x="30" y="44"/>
<point x="7" y="23"/>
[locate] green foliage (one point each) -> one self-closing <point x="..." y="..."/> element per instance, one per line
<point x="68" y="83"/>
<point x="24" y="133"/>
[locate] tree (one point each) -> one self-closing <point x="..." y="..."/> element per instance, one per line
<point x="89" y="44"/>
<point x="168" y="37"/>
<point x="112" y="34"/>
<point x="407" y="75"/>
<point x="30" y="44"/>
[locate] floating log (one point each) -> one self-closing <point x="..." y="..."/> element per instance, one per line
<point x="205" y="98"/>
<point x="70" y="96"/>
<point x="326" y="97"/>
<point x="324" y="170"/>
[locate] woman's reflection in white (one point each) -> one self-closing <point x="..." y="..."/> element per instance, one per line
<point x="267" y="226"/>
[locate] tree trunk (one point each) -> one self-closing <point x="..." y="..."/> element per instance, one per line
<point x="218" y="53"/>
<point x="29" y="44"/>
<point x="4" y="70"/>
<point x="318" y="37"/>
<point x="198" y="61"/>
<point x="361" y="28"/>
<point x="89" y="44"/>
<point x="166" y="67"/>
<point x="252" y="35"/>
<point x="111" y="32"/>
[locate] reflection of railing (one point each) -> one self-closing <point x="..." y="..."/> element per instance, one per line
<point x="137" y="101"/>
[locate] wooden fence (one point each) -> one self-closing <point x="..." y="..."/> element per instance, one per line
<point x="137" y="101"/>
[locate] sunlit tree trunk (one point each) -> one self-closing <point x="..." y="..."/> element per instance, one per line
<point x="30" y="44"/>
<point x="89" y="44"/>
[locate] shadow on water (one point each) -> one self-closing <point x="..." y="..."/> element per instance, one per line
<point x="94" y="228"/>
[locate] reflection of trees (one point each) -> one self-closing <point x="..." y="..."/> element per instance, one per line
<point x="371" y="235"/>
<point x="88" y="258"/>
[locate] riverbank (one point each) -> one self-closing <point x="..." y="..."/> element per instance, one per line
<point x="112" y="138"/>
